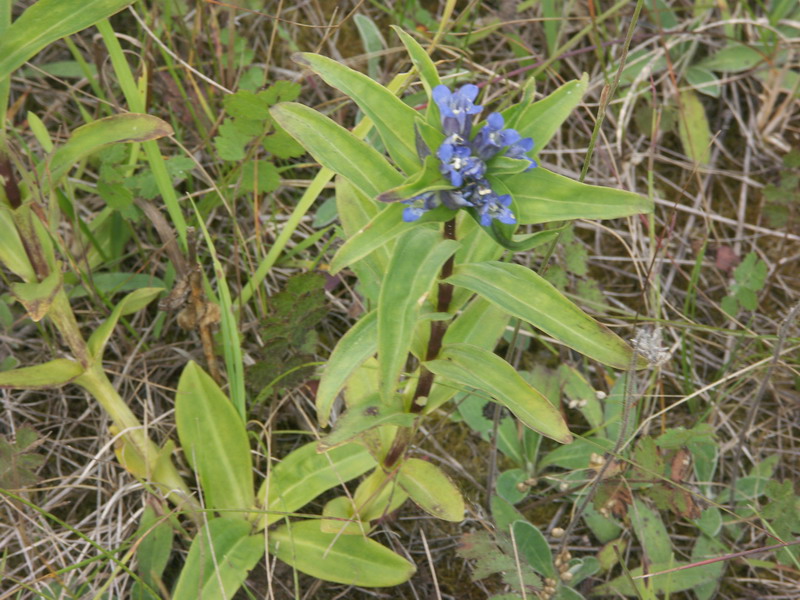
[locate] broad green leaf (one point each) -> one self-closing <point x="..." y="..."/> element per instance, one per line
<point x="472" y="408"/>
<point x="577" y="454"/>
<point x="38" y="296"/>
<point x="378" y="495"/>
<point x="357" y="345"/>
<point x="337" y="149"/>
<point x="541" y="196"/>
<point x="483" y="370"/>
<point x="54" y="373"/>
<point x="214" y="441"/>
<point x="94" y="136"/>
<point x="12" y="252"/>
<point x="393" y="119"/>
<point x="384" y="227"/>
<point x="733" y="58"/>
<point x="347" y="559"/>
<point x="46" y="21"/>
<point x="652" y="533"/>
<point x="338" y="516"/>
<point x="668" y="583"/>
<point x="542" y="119"/>
<point x="528" y="296"/>
<point x="154" y="545"/>
<point x="432" y="490"/>
<point x="427" y="179"/>
<point x="693" y="128"/>
<point x="422" y="61"/>
<point x="305" y="474"/>
<point x="220" y="558"/>
<point x="704" y="548"/>
<point x="417" y="259"/>
<point x="368" y="415"/>
<point x="129" y="304"/>
<point x="534" y="547"/>
<point x="704" y="81"/>
<point x="510" y="485"/>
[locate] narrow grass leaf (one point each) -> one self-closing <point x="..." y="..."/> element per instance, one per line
<point x="131" y="303"/>
<point x="357" y="345"/>
<point x="46" y="21"/>
<point x="347" y="559"/>
<point x="214" y="441"/>
<point x="94" y="136"/>
<point x="483" y="370"/>
<point x="432" y="490"/>
<point x="417" y="259"/>
<point x="305" y="474"/>
<point x="541" y="196"/>
<point x="526" y="295"/>
<point x="54" y="373"/>
<point x="220" y="558"/>
<point x="393" y="119"/>
<point x="337" y="149"/>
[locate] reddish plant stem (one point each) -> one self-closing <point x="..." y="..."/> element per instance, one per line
<point x="438" y="329"/>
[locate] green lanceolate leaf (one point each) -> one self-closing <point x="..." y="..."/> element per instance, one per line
<point x="347" y="559"/>
<point x="421" y="59"/>
<point x="542" y="119"/>
<point x="214" y="441"/>
<point x="38" y="296"/>
<point x="12" y="252"/>
<point x="338" y="149"/>
<point x="483" y="370"/>
<point x="384" y="227"/>
<point x="123" y="128"/>
<point x="357" y="345"/>
<point x="54" y="373"/>
<point x="338" y="516"/>
<point x="393" y="119"/>
<point x="305" y="474"/>
<point x="541" y="196"/>
<point x="220" y="557"/>
<point x="432" y="490"/>
<point x="526" y="295"/>
<point x="46" y="21"/>
<point x="369" y="414"/>
<point x="694" y="129"/>
<point x="427" y="179"/>
<point x="131" y="303"/>
<point x="415" y="264"/>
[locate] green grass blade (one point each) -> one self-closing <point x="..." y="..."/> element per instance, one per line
<point x="46" y="21"/>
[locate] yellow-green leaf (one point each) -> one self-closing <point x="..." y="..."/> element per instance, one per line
<point x="693" y="128"/>
<point x="432" y="490"/>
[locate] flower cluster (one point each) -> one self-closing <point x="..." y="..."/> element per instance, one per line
<point x="463" y="160"/>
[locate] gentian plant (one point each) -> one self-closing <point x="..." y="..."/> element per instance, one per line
<point x="430" y="233"/>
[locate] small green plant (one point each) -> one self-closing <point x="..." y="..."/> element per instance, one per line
<point x="748" y="279"/>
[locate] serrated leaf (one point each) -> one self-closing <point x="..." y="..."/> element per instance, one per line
<point x="338" y="149"/>
<point x="393" y="119"/>
<point x="432" y="490"/>
<point x="214" y="441"/>
<point x="304" y="474"/>
<point x="260" y="176"/>
<point x="221" y="555"/>
<point x="541" y="196"/>
<point x="347" y="559"/>
<point x="415" y="264"/>
<point x="483" y="370"/>
<point x="247" y="105"/>
<point x="526" y="295"/>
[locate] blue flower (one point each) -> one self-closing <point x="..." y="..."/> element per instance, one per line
<point x="419" y="205"/>
<point x="459" y="164"/>
<point x="519" y="149"/>
<point x="490" y="205"/>
<point x="456" y="108"/>
<point x="492" y="137"/>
